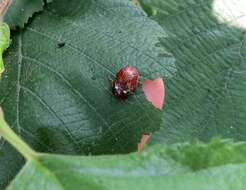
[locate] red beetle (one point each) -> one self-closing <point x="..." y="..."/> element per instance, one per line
<point x="125" y="82"/>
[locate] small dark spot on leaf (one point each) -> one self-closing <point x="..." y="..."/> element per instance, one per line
<point x="208" y="90"/>
<point x="120" y="32"/>
<point x="61" y="44"/>
<point x="173" y="97"/>
<point x="92" y="70"/>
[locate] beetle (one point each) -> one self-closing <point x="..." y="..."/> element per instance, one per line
<point x="125" y="82"/>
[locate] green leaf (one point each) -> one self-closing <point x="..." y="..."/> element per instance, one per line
<point x="160" y="167"/>
<point x="64" y="98"/>
<point x="11" y="162"/>
<point x="4" y="43"/>
<point x="207" y="97"/>
<point x="59" y="98"/>
<point x="21" y="10"/>
<point x="219" y="164"/>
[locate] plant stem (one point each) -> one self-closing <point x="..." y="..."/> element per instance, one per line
<point x="8" y="134"/>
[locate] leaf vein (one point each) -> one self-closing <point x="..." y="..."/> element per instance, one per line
<point x="47" y="106"/>
<point x="67" y="82"/>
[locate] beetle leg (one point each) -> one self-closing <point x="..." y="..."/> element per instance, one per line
<point x="130" y="92"/>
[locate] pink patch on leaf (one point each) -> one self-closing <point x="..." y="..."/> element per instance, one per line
<point x="143" y="141"/>
<point x="154" y="91"/>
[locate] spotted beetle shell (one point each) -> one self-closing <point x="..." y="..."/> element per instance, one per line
<point x="125" y="82"/>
